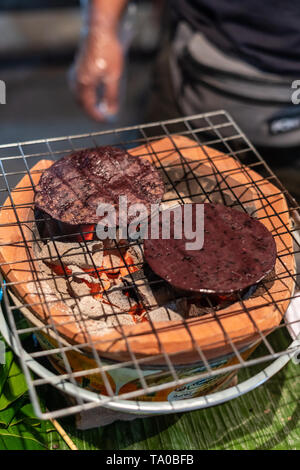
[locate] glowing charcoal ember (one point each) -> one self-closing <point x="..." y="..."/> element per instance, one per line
<point x="138" y="313"/>
<point x="78" y="276"/>
<point x="96" y="284"/>
<point x="60" y="270"/>
<point x="118" y="266"/>
<point x="88" y="232"/>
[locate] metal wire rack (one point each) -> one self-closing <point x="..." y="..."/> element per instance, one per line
<point x="184" y="182"/>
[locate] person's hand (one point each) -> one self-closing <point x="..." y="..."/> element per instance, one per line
<point x="99" y="63"/>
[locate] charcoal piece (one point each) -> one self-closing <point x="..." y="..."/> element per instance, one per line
<point x="238" y="251"/>
<point x="144" y="273"/>
<point x="103" y="325"/>
<point x="89" y="307"/>
<point x="145" y="295"/>
<point x="113" y="262"/>
<point x="119" y="319"/>
<point x="165" y="313"/>
<point x="79" y="275"/>
<point x="73" y="187"/>
<point x="81" y="254"/>
<point x="136" y="251"/>
<point x="116" y="297"/>
<point x="131" y="278"/>
<point x="148" y="288"/>
<point x="78" y="289"/>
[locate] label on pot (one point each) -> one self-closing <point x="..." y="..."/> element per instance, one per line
<point x="126" y="379"/>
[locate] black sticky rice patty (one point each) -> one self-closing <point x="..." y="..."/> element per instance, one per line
<point x="73" y="187"/>
<point x="238" y="251"/>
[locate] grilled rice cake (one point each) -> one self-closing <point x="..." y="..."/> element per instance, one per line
<point x="238" y="251"/>
<point x="73" y="187"/>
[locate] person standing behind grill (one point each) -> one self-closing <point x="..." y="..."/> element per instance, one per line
<point x="237" y="56"/>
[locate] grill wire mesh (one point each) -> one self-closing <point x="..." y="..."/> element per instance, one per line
<point x="217" y="130"/>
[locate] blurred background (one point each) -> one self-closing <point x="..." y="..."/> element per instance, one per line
<point x="38" y="42"/>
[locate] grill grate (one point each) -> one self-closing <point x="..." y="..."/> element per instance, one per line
<point x="256" y="191"/>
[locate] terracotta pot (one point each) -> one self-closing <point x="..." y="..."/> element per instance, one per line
<point x="240" y="325"/>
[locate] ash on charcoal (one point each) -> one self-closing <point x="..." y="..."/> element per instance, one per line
<point x="65" y="289"/>
<point x="146" y="274"/>
<point x="78" y="275"/>
<point x="79" y="289"/>
<point x="177" y="310"/>
<point x="194" y="310"/>
<point x="120" y="319"/>
<point x="103" y="326"/>
<point x="130" y="279"/>
<point x="42" y="288"/>
<point x="112" y="261"/>
<point x="136" y="251"/>
<point x="82" y="254"/>
<point x="166" y="313"/>
<point x="114" y="257"/>
<point x="195" y="307"/>
<point x="72" y="287"/>
<point x="58" y="284"/>
<point x="152" y="298"/>
<point x="89" y="307"/>
<point x="115" y="296"/>
<point x="148" y="288"/>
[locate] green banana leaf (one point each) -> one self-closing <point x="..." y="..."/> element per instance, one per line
<point x="22" y="437"/>
<point x="5" y="368"/>
<point x="14" y="386"/>
<point x="19" y="427"/>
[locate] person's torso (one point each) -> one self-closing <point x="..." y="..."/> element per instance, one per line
<point x="264" y="33"/>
